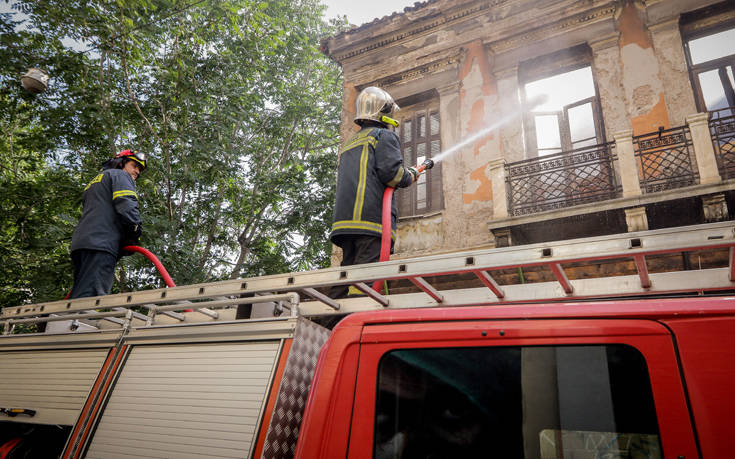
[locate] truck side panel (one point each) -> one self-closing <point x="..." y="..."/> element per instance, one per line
<point x="707" y="351"/>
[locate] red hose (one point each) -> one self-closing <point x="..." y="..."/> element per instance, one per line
<point x="385" y="238"/>
<point x="156" y="262"/>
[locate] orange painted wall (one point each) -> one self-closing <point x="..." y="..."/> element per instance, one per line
<point x="476" y="56"/>
<point x="633" y="31"/>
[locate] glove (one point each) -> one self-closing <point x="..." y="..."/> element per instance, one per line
<point x="132" y="234"/>
<point x="414" y="172"/>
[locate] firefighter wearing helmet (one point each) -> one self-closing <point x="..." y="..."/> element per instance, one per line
<point x="110" y="220"/>
<point x="370" y="161"/>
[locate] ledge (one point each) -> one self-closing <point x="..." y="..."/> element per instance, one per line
<point x="410" y="218"/>
<point x="613" y="204"/>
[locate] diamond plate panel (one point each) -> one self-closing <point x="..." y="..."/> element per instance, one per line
<point x="283" y="431"/>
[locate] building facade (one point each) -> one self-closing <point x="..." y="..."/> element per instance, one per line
<point x="584" y="118"/>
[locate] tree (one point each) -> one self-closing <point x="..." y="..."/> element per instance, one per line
<point x="234" y="103"/>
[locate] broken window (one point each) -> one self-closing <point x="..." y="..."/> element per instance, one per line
<point x="420" y="140"/>
<point x="569" y="117"/>
<point x="711" y="60"/>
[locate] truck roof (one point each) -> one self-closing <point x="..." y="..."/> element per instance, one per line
<point x="651" y="309"/>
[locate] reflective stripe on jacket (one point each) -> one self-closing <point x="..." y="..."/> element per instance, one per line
<point x="368" y="163"/>
<point x="110" y="207"/>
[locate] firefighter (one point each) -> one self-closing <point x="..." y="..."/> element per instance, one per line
<point x="370" y="162"/>
<point x="110" y="220"/>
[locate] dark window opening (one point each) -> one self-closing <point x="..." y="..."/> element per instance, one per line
<point x="515" y="402"/>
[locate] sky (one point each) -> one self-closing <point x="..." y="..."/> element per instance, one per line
<point x="360" y="12"/>
<point x="357" y="12"/>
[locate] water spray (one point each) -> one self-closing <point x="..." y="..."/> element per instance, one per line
<point x="385" y="241"/>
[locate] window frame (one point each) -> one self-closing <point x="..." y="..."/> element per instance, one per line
<point x="408" y="205"/>
<point x="651" y="339"/>
<point x="560" y="62"/>
<point x="689" y="32"/>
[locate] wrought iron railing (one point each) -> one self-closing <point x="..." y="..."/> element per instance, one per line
<point x="665" y="159"/>
<point x="561" y="180"/>
<point x="722" y="128"/>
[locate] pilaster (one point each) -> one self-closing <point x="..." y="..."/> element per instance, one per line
<point x="703" y="149"/>
<point x="627" y="162"/>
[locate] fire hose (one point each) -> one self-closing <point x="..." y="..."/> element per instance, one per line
<point x="385" y="240"/>
<point x="153" y="259"/>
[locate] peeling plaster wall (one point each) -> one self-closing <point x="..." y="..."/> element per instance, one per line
<point x="420" y="236"/>
<point x="607" y="68"/>
<point x="478" y="101"/>
<point x="644" y="90"/>
<point x="674" y="74"/>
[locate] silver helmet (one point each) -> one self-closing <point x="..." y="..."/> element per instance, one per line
<point x="374" y="104"/>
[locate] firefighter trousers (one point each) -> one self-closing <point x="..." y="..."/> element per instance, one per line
<point x="94" y="271"/>
<point x="356" y="250"/>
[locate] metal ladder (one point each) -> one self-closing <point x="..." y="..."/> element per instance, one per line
<point x="556" y="258"/>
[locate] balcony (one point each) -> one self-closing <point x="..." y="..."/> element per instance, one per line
<point x="672" y="177"/>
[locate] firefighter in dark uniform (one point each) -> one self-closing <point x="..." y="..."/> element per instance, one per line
<point x="369" y="162"/>
<point x="110" y="220"/>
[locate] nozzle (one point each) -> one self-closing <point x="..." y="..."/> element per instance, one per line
<point x="428" y="164"/>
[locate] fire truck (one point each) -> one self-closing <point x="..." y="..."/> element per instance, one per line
<point x="618" y="346"/>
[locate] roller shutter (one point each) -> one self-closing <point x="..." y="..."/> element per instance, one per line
<point x="53" y="383"/>
<point x="186" y="400"/>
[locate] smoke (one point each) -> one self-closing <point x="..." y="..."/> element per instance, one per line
<point x="530" y="104"/>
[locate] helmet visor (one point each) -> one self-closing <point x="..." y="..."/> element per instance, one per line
<point x="139" y="158"/>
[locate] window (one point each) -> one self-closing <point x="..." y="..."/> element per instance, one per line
<point x="420" y="139"/>
<point x="515" y="402"/>
<point x="711" y="59"/>
<point x="570" y="118"/>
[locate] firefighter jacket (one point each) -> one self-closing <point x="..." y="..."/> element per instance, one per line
<point x="110" y="212"/>
<point x="370" y="162"/>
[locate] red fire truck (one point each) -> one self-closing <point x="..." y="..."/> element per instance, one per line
<point x="543" y="356"/>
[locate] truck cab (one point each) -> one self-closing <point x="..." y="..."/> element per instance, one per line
<point x="630" y="378"/>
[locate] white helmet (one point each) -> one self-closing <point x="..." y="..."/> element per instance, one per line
<point x="377" y="105"/>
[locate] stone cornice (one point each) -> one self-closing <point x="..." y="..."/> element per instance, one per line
<point x="358" y="47"/>
<point x="544" y="32"/>
<point x="434" y="22"/>
<point x="449" y="61"/>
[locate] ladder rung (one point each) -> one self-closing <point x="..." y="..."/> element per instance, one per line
<point x="490" y="283"/>
<point x="561" y="277"/>
<point x="319" y="296"/>
<point x="640" y="264"/>
<point x="364" y="288"/>
<point x="427" y="288"/>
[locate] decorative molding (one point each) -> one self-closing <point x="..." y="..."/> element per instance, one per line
<point x="386" y="39"/>
<point x="544" y="32"/>
<point x="707" y="22"/>
<point x="606" y="42"/>
<point x="509" y="72"/>
<point x="449" y="89"/>
<point x="637" y="219"/>
<point x="418" y="72"/>
<point x="664" y="26"/>
<point x="715" y="208"/>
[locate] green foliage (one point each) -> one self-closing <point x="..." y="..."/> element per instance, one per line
<point x="232" y="100"/>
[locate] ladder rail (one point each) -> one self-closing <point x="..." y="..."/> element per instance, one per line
<point x="480" y="263"/>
